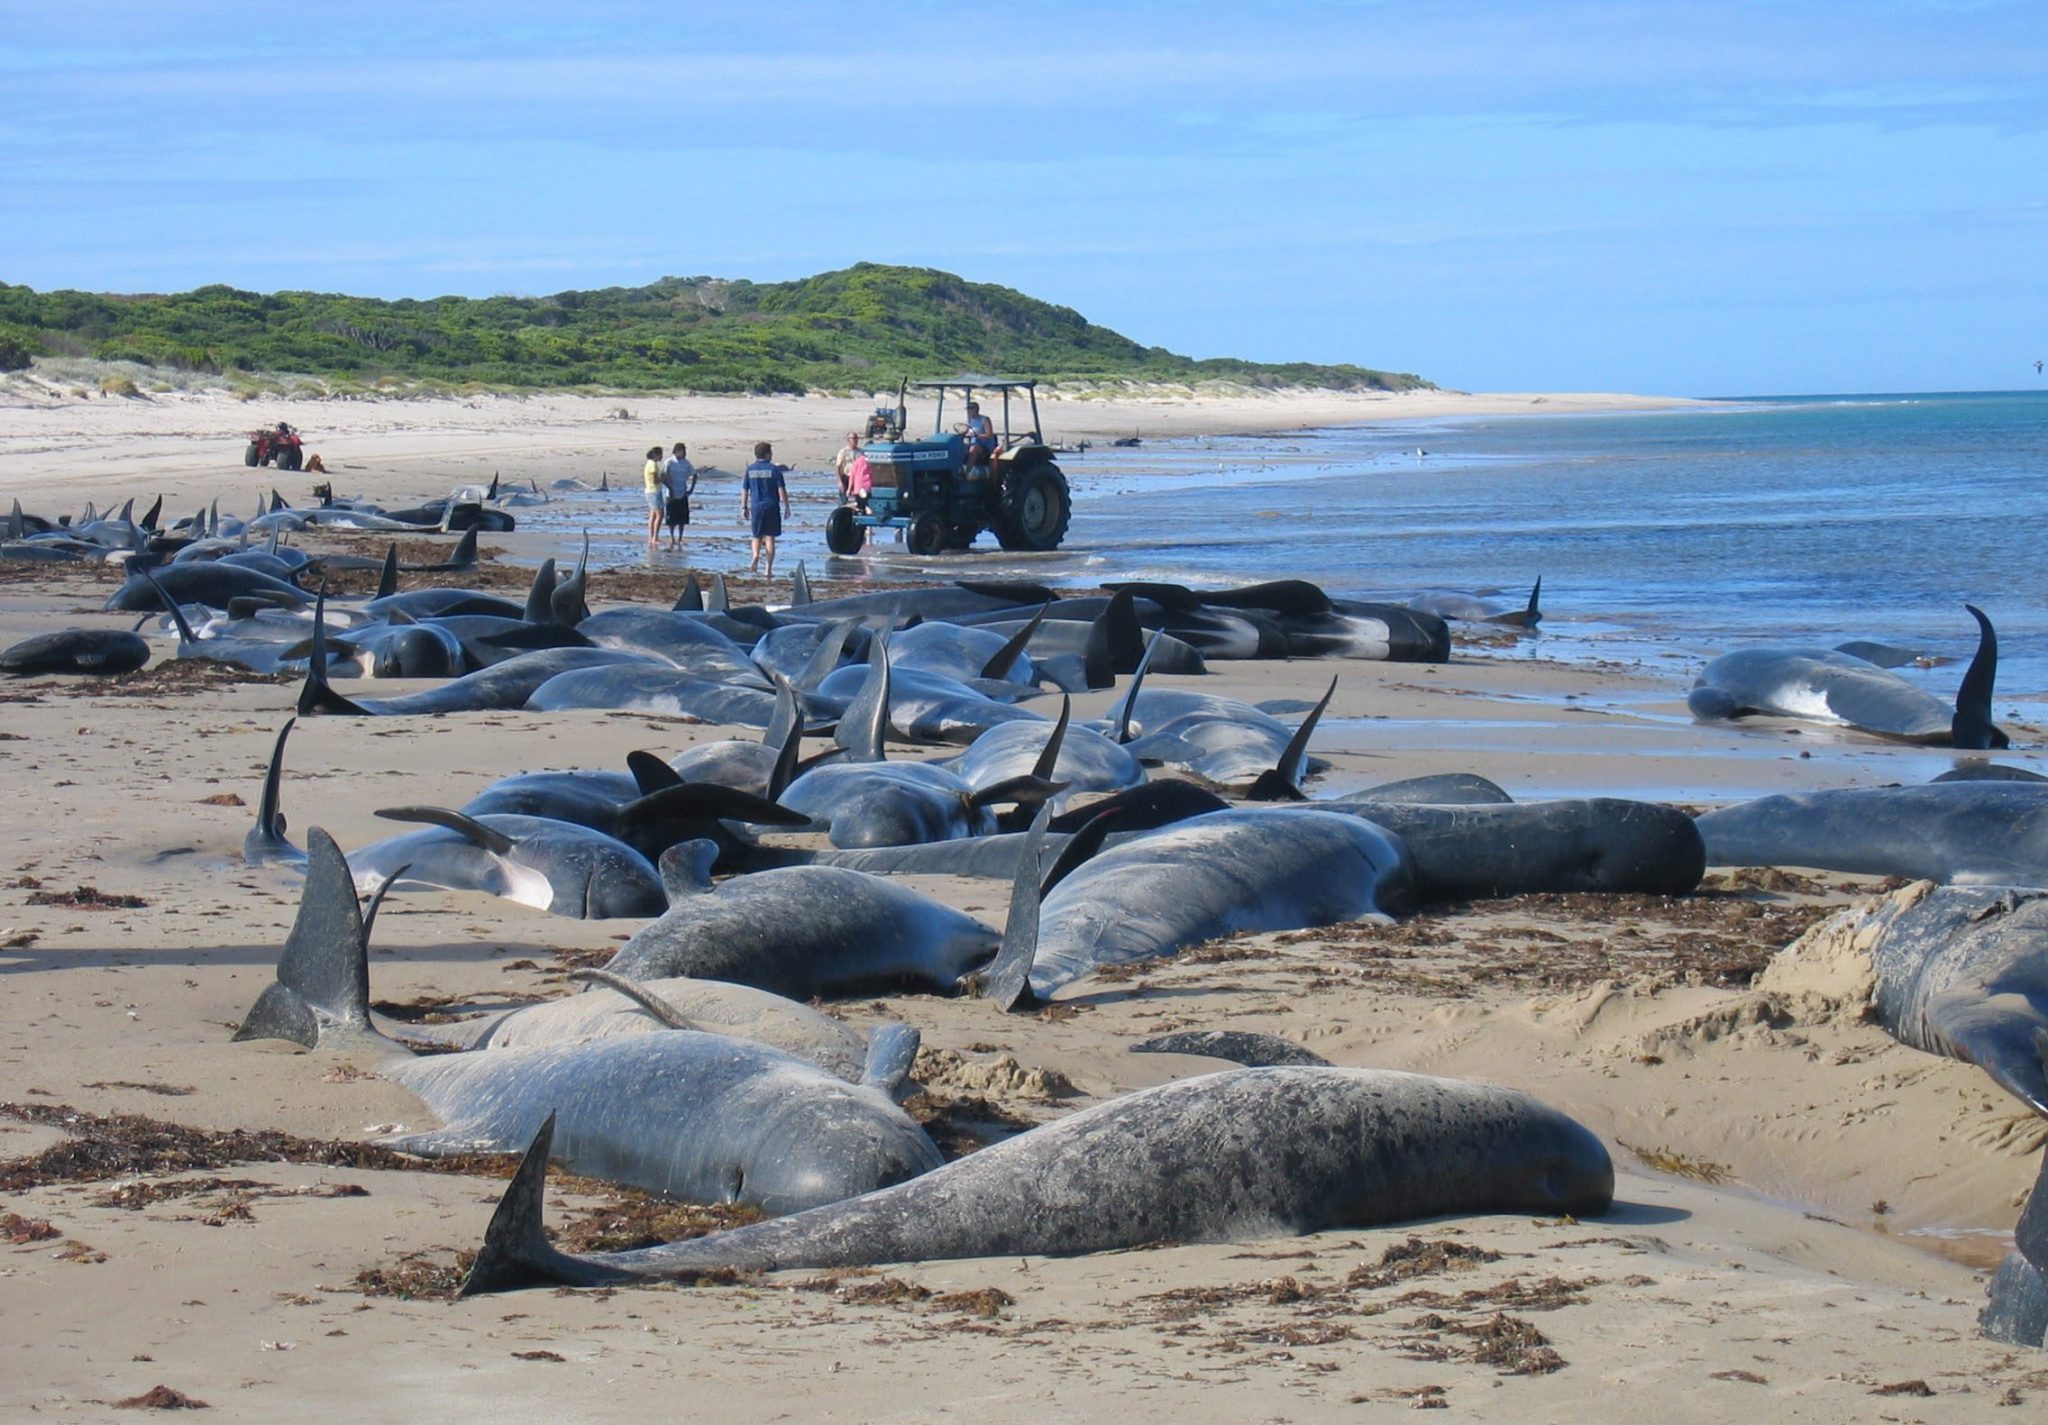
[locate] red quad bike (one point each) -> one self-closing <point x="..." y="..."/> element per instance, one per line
<point x="282" y="446"/>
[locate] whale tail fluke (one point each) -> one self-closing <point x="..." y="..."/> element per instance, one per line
<point x="1972" y="728"/>
<point x="323" y="974"/>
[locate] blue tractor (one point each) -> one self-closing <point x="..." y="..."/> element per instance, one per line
<point x="943" y="490"/>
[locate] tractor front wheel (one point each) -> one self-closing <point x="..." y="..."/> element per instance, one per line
<point x="926" y="535"/>
<point x="1035" y="508"/>
<point x="253" y="455"/>
<point x="842" y="535"/>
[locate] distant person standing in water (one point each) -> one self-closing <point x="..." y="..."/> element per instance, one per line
<point x="678" y="483"/>
<point x="764" y="501"/>
<point x="650" y="482"/>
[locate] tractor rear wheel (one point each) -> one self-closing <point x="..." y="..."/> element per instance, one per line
<point x="1035" y="508"/>
<point x="842" y="535"/>
<point x="288" y="457"/>
<point x="926" y="535"/>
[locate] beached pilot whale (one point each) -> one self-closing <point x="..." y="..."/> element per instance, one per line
<point x="807" y="932"/>
<point x="710" y="1117"/>
<point x="1960" y="971"/>
<point x="1990" y="832"/>
<point x="1823" y="685"/>
<point x="98" y="651"/>
<point x="321" y="998"/>
<point x="1211" y="875"/>
<point x="555" y="866"/>
<point x="1227" y="1157"/>
<point x="1474" y="851"/>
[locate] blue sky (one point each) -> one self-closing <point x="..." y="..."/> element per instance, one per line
<point x="1700" y="199"/>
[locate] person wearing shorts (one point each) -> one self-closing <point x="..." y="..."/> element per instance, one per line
<point x="678" y="483"/>
<point x="657" y="500"/>
<point x="764" y="501"/>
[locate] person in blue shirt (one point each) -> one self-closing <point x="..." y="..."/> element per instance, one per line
<point x="981" y="435"/>
<point x="764" y="501"/>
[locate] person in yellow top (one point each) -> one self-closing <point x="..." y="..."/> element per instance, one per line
<point x="657" y="496"/>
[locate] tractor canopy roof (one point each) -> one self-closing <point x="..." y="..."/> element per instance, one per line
<point x="974" y="383"/>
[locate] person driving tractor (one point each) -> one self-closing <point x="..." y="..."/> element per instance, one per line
<point x="981" y="435"/>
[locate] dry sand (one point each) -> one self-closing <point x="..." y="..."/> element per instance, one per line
<point x="1805" y="1208"/>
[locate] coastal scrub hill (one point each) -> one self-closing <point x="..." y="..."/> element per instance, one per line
<point x="859" y="328"/>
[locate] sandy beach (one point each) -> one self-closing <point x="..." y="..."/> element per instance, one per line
<point x="1805" y="1209"/>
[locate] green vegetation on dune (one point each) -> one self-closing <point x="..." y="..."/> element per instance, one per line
<point x="857" y="328"/>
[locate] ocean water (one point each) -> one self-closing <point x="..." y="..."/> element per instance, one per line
<point x="1663" y="537"/>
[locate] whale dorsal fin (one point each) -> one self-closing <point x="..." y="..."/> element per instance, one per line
<point x="468" y="827"/>
<point x="864" y="725"/>
<point x="1130" y="700"/>
<point x="269" y="832"/>
<point x="1114" y="641"/>
<point x="1007" y="656"/>
<point x="892" y="1049"/>
<point x="387" y="581"/>
<point x="686" y="868"/>
<point x="650" y="773"/>
<point x="1049" y="758"/>
<point x="323" y="973"/>
<point x="1282" y="781"/>
<point x="790" y="750"/>
<point x="717" y="602"/>
<point x="316" y="696"/>
<point x="185" y="633"/>
<point x="825" y="657"/>
<point x="540" y="594"/>
<point x="691" y="599"/>
<point x="1972" y="728"/>
<point x="464" y="556"/>
<point x="799" y="587"/>
<point x="1007" y="980"/>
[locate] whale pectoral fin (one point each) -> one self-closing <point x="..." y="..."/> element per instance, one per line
<point x="892" y="1049"/>
<point x="516" y="1252"/>
<point x="1025" y="791"/>
<point x="323" y="971"/>
<point x="467" y="827"/>
<point x="639" y="994"/>
<point x="2002" y="1034"/>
